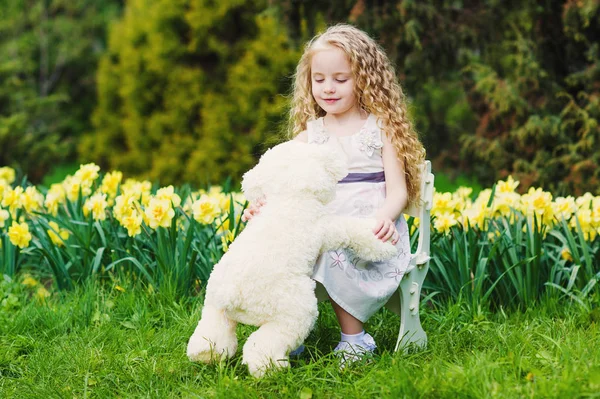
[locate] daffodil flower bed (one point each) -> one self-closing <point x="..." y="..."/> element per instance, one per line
<point x="451" y="209"/>
<point x="92" y="225"/>
<point x="501" y="248"/>
<point x="509" y="249"/>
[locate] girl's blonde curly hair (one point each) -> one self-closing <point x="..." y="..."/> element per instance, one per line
<point x="377" y="90"/>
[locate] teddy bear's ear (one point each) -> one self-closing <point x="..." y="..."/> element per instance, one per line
<point x="252" y="184"/>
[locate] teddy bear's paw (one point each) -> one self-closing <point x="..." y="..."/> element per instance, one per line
<point x="203" y="350"/>
<point x="265" y="351"/>
<point x="387" y="250"/>
<point x="214" y="337"/>
<point x="377" y="251"/>
<point x="259" y="366"/>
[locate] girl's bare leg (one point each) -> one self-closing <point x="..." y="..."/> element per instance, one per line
<point x="348" y="323"/>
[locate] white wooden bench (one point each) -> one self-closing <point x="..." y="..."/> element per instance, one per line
<point x="405" y="302"/>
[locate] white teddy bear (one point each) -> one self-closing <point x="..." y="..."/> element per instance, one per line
<point x="264" y="278"/>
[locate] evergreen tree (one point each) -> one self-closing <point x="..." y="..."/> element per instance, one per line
<point x="190" y="89"/>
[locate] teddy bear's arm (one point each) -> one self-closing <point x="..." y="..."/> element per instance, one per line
<point x="357" y="235"/>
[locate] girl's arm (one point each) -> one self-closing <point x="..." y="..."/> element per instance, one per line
<point x="396" y="197"/>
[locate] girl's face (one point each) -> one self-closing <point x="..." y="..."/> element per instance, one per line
<point x="332" y="81"/>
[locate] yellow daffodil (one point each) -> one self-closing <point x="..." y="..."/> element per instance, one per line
<point x="187" y="206"/>
<point x="168" y="193"/>
<point x="227" y="239"/>
<point x="19" y="234"/>
<point x="57" y="235"/>
<point x="97" y="205"/>
<point x="508" y="186"/>
<point x="32" y="199"/>
<point x="206" y="209"/>
<point x="538" y="202"/>
<point x="462" y="199"/>
<point x="87" y="174"/>
<point x="110" y="183"/>
<point x="140" y="189"/>
<point x="133" y="223"/>
<point x="7" y="174"/>
<point x="73" y="185"/>
<point x="484" y="196"/>
<point x="12" y="198"/>
<point x="566" y="254"/>
<point x="54" y="198"/>
<point x="478" y="213"/>
<point x="463" y="192"/>
<point x="159" y="213"/>
<point x="125" y="205"/>
<point x="224" y="201"/>
<point x="444" y="221"/>
<point x="443" y="203"/>
<point x="83" y="180"/>
<point x="585" y="201"/>
<point x="583" y="217"/>
<point x="596" y="212"/>
<point x="222" y="224"/>
<point x="505" y="202"/>
<point x="564" y="208"/>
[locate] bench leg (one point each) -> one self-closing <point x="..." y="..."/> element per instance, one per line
<point x="411" y="331"/>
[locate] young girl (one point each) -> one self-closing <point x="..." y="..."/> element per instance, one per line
<point x="346" y="94"/>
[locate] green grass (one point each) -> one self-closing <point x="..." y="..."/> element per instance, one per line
<point x="96" y="343"/>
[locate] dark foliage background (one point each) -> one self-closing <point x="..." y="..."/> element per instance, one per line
<point x="194" y="90"/>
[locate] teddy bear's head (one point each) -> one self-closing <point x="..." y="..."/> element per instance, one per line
<point x="296" y="169"/>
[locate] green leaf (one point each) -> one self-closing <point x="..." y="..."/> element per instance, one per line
<point x="97" y="260"/>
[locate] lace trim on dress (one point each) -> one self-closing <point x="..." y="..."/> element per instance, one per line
<point x="368" y="137"/>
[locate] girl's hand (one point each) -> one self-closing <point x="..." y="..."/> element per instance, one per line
<point x="253" y="209"/>
<point x="385" y="229"/>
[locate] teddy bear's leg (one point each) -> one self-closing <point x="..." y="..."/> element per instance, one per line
<point x="269" y="345"/>
<point x="214" y="337"/>
<point x="267" y="348"/>
<point x="356" y="234"/>
<point x="369" y="247"/>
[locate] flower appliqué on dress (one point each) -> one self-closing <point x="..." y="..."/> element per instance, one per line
<point x="369" y="140"/>
<point x="320" y="136"/>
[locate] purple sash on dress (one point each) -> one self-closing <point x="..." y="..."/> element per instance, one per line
<point x="374" y="177"/>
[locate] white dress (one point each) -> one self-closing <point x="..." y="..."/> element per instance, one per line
<point x="360" y="287"/>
